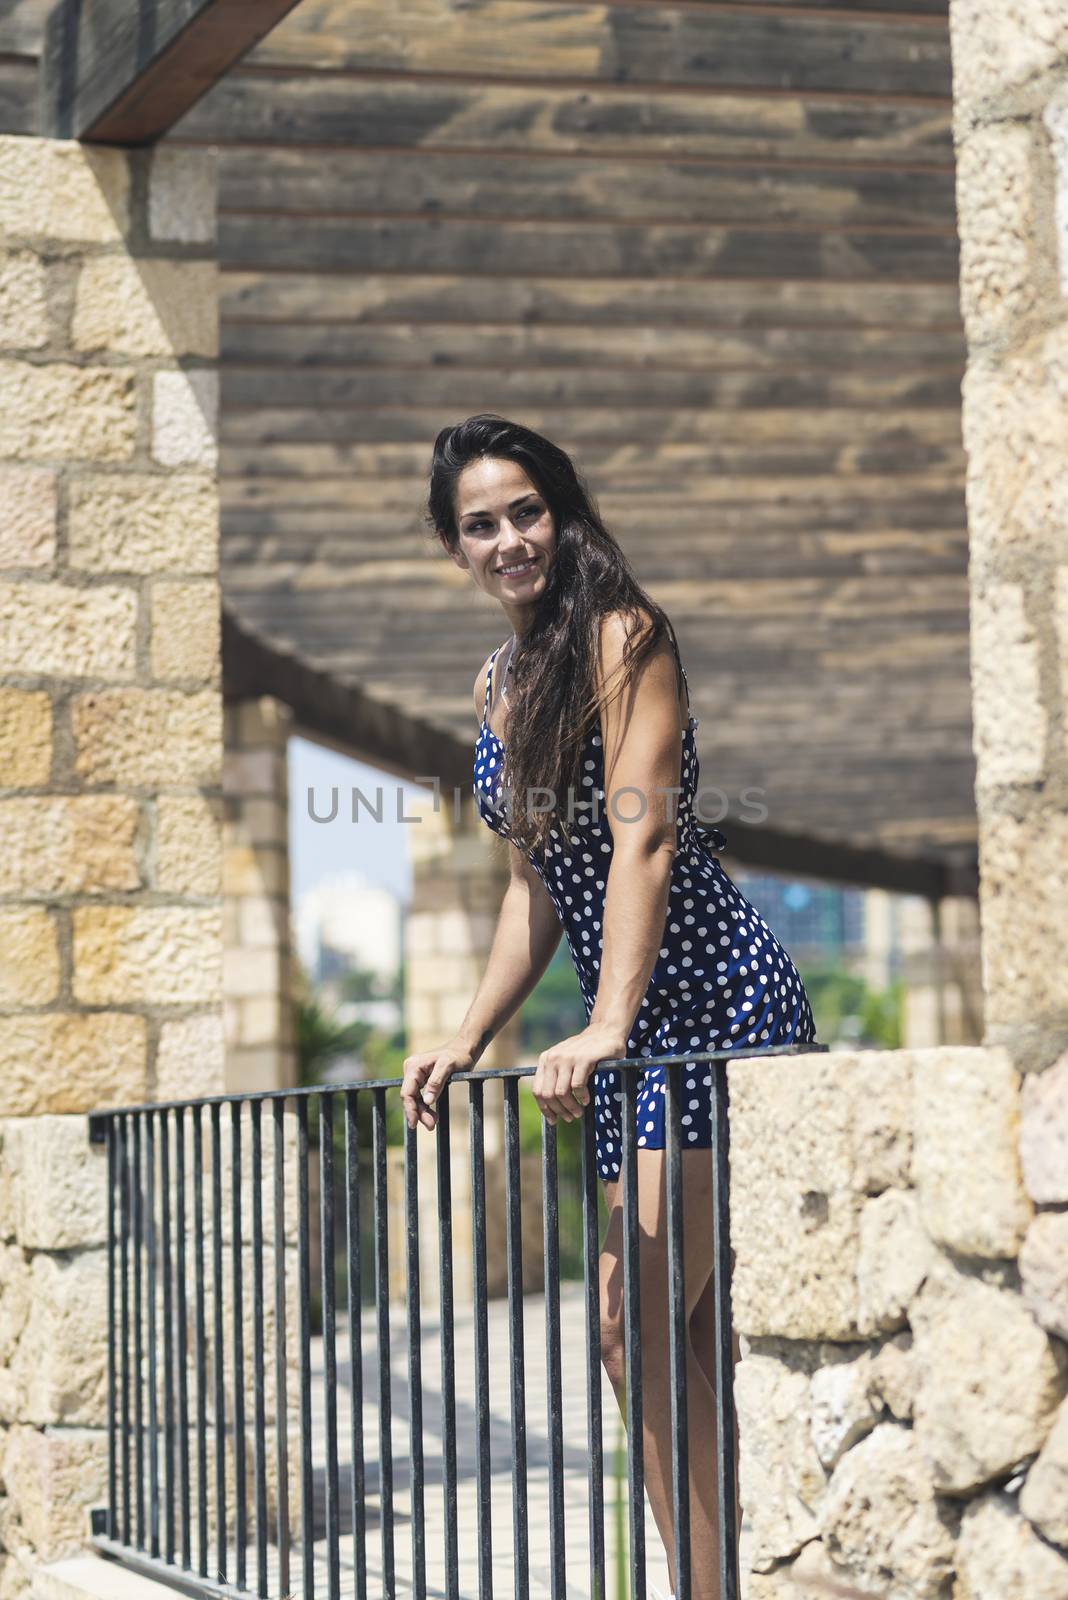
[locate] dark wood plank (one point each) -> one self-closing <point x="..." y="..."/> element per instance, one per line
<point x="419" y="345"/>
<point x="630" y="431"/>
<point x="18" y="96"/>
<point x="578" y="190"/>
<point x="117" y="74"/>
<point x="586" y="302"/>
<point x="485" y="249"/>
<point x="456" y="390"/>
<point x="685" y="45"/>
<point x="308" y="108"/>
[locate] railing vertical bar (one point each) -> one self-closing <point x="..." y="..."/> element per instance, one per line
<point x="113" y="1466"/>
<point x="448" y="1344"/>
<point x="721" y="1243"/>
<point x="124" y="1317"/>
<point x="169" y="1440"/>
<point x="514" y="1244"/>
<point x="632" y="1337"/>
<point x="153" y="1344"/>
<point x="329" y="1304"/>
<point x="307" y="1498"/>
<point x="238" y="1316"/>
<point x="385" y="1390"/>
<point x="258" y="1379"/>
<point x="477" y="1144"/>
<point x="137" y="1200"/>
<point x="592" y="1287"/>
<point x="219" y="1396"/>
<point x="281" y="1374"/>
<point x="355" y="1313"/>
<point x="181" y="1316"/>
<point x="415" y="1362"/>
<point x="680" y="1465"/>
<point x="554" y="1386"/>
<point x="200" y="1341"/>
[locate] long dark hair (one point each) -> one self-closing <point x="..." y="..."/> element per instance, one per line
<point x="552" y="694"/>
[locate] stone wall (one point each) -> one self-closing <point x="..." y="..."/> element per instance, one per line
<point x="904" y="1316"/>
<point x="110" y="756"/>
<point x="901" y="1220"/>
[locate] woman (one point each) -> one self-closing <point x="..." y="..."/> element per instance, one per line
<point x="586" y="739"/>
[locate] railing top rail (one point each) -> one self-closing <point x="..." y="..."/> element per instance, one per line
<point x="99" y="1118"/>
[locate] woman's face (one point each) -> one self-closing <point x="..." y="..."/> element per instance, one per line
<point x="507" y="537"/>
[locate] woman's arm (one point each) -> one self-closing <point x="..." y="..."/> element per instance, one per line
<point x="642" y="743"/>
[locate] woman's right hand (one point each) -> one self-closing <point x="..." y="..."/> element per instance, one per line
<point x="425" y="1075"/>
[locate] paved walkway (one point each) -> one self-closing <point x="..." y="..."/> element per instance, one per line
<point x="575" y="1456"/>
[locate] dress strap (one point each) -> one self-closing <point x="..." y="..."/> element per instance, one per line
<point x="682" y="669"/>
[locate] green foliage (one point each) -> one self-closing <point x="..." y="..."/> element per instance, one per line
<point x="322" y="1038"/>
<point x="843" y="1005"/>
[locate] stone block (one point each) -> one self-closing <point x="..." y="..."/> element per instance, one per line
<point x="59" y="1182"/>
<point x="263" y="923"/>
<point x="186" y="630"/>
<point x="809" y="1139"/>
<point x="59" y="411"/>
<point x="999" y="45"/>
<point x="28" y="525"/>
<point x="895" y="1256"/>
<point x="264" y="821"/>
<point x="989" y="1379"/>
<point x="146" y="307"/>
<point x="1015" y="424"/>
<point x="894" y="1376"/>
<point x="782" y="1482"/>
<point x="148" y="737"/>
<point x="14" y="1315"/>
<point x="191" y="1059"/>
<point x="250" y="772"/>
<point x="1009" y="729"/>
<point x="1044" y="1499"/>
<point x="189" y="844"/>
<point x="56" y="1061"/>
<point x="845" y="1405"/>
<point x="1055" y="118"/>
<point x="1023" y="864"/>
<point x="54" y="1477"/>
<point x="1001" y="1557"/>
<point x="23" y="302"/>
<point x="182" y="195"/>
<point x="62" y="191"/>
<point x="29" y="956"/>
<point x="1060" y="619"/>
<point x="140" y="523"/>
<point x="998" y="279"/>
<point x="248" y="974"/>
<point x="56" y="630"/>
<point x="185" y="419"/>
<point x="59" y="1371"/>
<point x="1044" y="1132"/>
<point x="150" y="955"/>
<point x="255" y="870"/>
<point x="69" y="844"/>
<point x="25" y="737"/>
<point x="881" y="1523"/>
<point x="1044" y="1271"/>
<point x="966" y="1166"/>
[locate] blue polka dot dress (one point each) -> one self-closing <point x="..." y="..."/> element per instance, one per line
<point x="721" y="978"/>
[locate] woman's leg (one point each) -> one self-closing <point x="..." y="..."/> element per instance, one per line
<point x="655" y="1333"/>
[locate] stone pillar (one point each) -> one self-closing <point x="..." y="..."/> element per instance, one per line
<point x="459" y="880"/>
<point x="258" y="958"/>
<point x="110" y="753"/>
<point x="943" y="1000"/>
<point x="1011" y="130"/>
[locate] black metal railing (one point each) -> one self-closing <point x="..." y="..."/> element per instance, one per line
<point x="213" y="1484"/>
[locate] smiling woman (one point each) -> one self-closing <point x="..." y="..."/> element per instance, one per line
<point x="580" y="778"/>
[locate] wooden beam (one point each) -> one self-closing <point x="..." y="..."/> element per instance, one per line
<point x="124" y="71"/>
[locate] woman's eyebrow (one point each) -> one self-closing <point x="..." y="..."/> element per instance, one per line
<point x="531" y="494"/>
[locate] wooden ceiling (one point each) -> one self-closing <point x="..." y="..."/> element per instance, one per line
<point x="708" y="247"/>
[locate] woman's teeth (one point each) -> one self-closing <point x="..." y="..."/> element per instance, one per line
<point x="513" y="572"/>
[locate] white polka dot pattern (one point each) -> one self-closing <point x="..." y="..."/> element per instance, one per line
<point x="721" y="978"/>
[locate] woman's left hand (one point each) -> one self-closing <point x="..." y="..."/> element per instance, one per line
<point x="561" y="1083"/>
